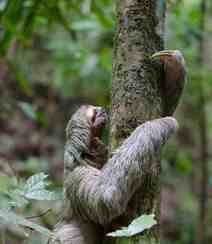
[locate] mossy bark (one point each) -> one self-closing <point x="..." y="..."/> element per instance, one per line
<point x="136" y="96"/>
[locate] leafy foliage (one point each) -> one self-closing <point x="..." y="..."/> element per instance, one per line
<point x="35" y="188"/>
<point x="10" y="217"/>
<point x="18" y="196"/>
<point x="79" y="59"/>
<point x="137" y="226"/>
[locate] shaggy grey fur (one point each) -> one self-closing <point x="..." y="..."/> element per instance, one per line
<point x="93" y="197"/>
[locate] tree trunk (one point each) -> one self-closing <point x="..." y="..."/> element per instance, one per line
<point x="136" y="96"/>
<point x="203" y="194"/>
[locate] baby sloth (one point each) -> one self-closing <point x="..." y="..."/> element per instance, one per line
<point x="97" y="191"/>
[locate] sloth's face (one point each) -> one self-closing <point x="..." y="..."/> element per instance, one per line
<point x="87" y="118"/>
<point x="97" y="117"/>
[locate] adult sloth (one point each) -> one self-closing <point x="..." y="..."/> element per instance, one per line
<point x="96" y="195"/>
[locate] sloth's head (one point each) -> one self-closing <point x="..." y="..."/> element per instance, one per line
<point x="87" y="122"/>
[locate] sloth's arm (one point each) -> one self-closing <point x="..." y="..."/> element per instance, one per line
<point x="102" y="195"/>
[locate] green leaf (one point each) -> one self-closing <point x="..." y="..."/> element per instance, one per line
<point x="4" y="200"/>
<point x="137" y="226"/>
<point x="5" y="182"/>
<point x="28" y="23"/>
<point x="28" y="110"/>
<point x="10" y="18"/>
<point x="36" y="182"/>
<point x="42" y="195"/>
<point x="11" y="197"/>
<point x="104" y="18"/>
<point x="85" y="25"/>
<point x="34" y="185"/>
<point x="10" y="217"/>
<point x="35" y="189"/>
<point x="17" y="198"/>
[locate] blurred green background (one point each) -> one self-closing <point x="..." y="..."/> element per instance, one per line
<point x="56" y="55"/>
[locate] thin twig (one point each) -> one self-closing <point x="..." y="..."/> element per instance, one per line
<point x="40" y="215"/>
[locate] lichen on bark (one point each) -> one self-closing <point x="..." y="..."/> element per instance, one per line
<point x="136" y="92"/>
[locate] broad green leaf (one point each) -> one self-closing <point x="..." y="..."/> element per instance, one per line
<point x="137" y="226"/>
<point x="42" y="195"/>
<point x="35" y="183"/>
<point x="12" y="218"/>
<point x="35" y="188"/>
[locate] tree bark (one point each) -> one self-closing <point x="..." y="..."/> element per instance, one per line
<point x="203" y="193"/>
<point x="136" y="96"/>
